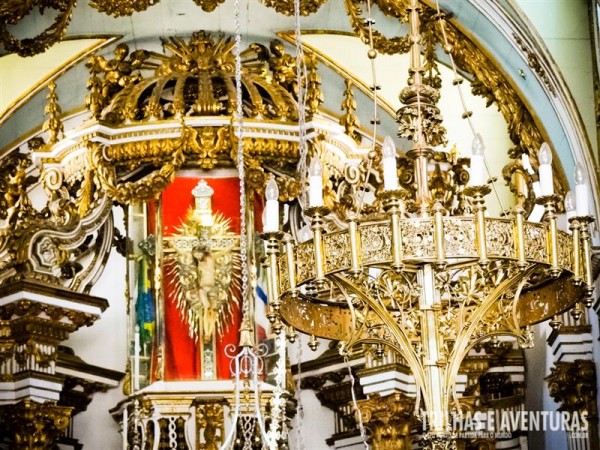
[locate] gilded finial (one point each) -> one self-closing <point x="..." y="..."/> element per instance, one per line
<point x="349" y="120"/>
<point x="53" y="125"/>
<point x="203" y="202"/>
<point x="246" y="335"/>
<point x="314" y="95"/>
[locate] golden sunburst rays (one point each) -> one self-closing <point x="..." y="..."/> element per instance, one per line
<point x="203" y="267"/>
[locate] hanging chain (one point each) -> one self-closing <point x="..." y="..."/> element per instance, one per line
<point x="359" y="418"/>
<point x="372" y="54"/>
<point x="458" y="80"/>
<point x="302" y="169"/>
<point x="277" y="427"/>
<point x="299" y="405"/>
<point x="239" y="125"/>
<point x="302" y="166"/>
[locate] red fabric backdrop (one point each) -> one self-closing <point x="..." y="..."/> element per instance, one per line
<point x="182" y="356"/>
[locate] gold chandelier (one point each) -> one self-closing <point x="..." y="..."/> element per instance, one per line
<point x="434" y="275"/>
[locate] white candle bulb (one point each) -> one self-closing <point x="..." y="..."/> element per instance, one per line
<point x="388" y="161"/>
<point x="545" y="170"/>
<point x="315" y="183"/>
<point x="478" y="172"/>
<point x="271" y="222"/>
<point x="581" y="191"/>
<point x="570" y="207"/>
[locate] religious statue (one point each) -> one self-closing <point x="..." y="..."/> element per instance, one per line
<point x="203" y="261"/>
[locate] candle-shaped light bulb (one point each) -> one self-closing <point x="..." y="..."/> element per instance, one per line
<point x="478" y="171"/>
<point x="581" y="191"/>
<point x="545" y="170"/>
<point x="579" y="174"/>
<point x="570" y="207"/>
<point x="272" y="207"/>
<point x="315" y="183"/>
<point x="388" y="161"/>
<point x="271" y="190"/>
<point x="545" y="154"/>
<point x="478" y="146"/>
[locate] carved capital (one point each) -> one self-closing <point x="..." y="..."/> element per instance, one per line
<point x="573" y="385"/>
<point x="34" y="425"/>
<point x="390" y="420"/>
<point x="433" y="441"/>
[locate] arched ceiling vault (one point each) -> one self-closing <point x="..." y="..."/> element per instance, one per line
<point x="497" y="27"/>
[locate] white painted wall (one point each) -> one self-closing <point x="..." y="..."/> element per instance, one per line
<point x="565" y="27"/>
<point x="310" y="432"/>
<point x="104" y="344"/>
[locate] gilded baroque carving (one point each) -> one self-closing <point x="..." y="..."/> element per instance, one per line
<point x="314" y="95"/>
<point x="534" y="62"/>
<point x="47" y="244"/>
<point x="349" y="120"/>
<point x="66" y="320"/>
<point x="489" y="83"/>
<point x="13" y="11"/>
<point x="573" y="385"/>
<point x="117" y="73"/>
<point x="53" y="124"/>
<point x="34" y="425"/>
<point x="389" y="419"/>
<point x="119" y="8"/>
<point x="210" y="423"/>
<point x="307" y="7"/>
<point x="139" y="87"/>
<point x="208" y="5"/>
<point x="389" y="46"/>
<point x="14" y="203"/>
<point x="134" y="191"/>
<point x="122" y="91"/>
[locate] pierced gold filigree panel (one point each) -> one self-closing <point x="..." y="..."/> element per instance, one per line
<point x="500" y="238"/>
<point x="376" y="243"/>
<point x="337" y="254"/>
<point x="459" y="237"/>
<point x="535" y="242"/>
<point x="417" y="238"/>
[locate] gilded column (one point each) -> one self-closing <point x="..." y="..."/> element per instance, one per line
<point x="573" y="386"/>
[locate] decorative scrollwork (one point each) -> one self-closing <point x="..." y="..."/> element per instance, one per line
<point x="307" y="7"/>
<point x="126" y="93"/>
<point x="13" y="11"/>
<point x="118" y="8"/>
<point x="389" y="46"/>
<point x="143" y="189"/>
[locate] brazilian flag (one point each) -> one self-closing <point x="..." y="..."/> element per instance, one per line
<point x="145" y="309"/>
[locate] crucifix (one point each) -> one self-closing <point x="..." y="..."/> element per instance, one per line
<point x="202" y="258"/>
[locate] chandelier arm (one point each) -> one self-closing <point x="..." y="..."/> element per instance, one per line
<point x="236" y="402"/>
<point x="350" y="305"/>
<point x="512" y="331"/>
<point x="405" y="347"/>
<point x="257" y="407"/>
<point x="462" y="345"/>
<point x="514" y="323"/>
